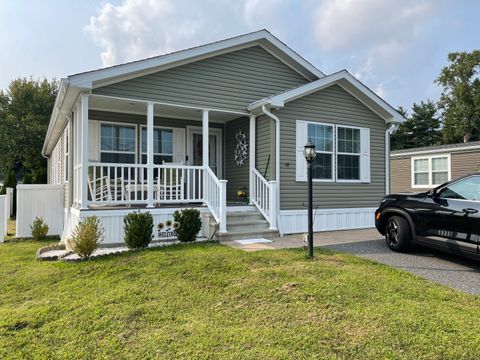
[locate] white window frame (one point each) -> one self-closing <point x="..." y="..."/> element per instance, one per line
<point x="155" y="153"/>
<point x="332" y="153"/>
<point x="359" y="154"/>
<point x="116" y="151"/>
<point x="66" y="151"/>
<point x="335" y="153"/>
<point x="430" y="172"/>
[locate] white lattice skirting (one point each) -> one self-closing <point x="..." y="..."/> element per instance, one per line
<point x="295" y="221"/>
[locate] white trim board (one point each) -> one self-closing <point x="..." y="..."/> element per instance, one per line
<point x="295" y="221"/>
<point x="348" y="82"/>
<point x="435" y="151"/>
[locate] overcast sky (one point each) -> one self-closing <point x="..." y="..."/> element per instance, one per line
<point x="396" y="47"/>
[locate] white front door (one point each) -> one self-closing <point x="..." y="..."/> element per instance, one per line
<point x="195" y="148"/>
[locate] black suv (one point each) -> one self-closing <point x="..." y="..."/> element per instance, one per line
<point x="446" y="218"/>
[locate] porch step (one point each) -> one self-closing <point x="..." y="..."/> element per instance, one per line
<point x="242" y="235"/>
<point x="243" y="225"/>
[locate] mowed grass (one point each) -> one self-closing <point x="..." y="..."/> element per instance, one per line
<point x="211" y="301"/>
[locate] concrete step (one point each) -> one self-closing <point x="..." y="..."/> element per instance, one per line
<point x="245" y="225"/>
<point x="241" y="235"/>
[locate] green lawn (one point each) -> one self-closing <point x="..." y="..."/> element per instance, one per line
<point x="211" y="301"/>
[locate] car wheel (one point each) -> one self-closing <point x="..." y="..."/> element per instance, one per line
<point x="397" y="233"/>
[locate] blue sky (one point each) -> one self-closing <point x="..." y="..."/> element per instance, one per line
<point x="396" y="47"/>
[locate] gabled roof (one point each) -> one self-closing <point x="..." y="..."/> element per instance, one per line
<point x="346" y="81"/>
<point x="71" y="86"/>
<point x="470" y="146"/>
<point x="263" y="38"/>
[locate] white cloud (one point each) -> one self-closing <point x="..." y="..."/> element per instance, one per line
<point x="140" y="28"/>
<point x="136" y="29"/>
<point x="379" y="35"/>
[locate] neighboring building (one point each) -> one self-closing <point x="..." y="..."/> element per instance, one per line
<point x="133" y="136"/>
<point x="420" y="169"/>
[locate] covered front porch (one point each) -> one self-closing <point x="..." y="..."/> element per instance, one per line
<point x="145" y="154"/>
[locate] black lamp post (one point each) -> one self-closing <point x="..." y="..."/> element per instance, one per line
<point x="310" y="153"/>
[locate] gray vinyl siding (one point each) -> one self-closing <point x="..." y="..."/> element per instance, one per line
<point x="237" y="176"/>
<point x="331" y="105"/>
<point x="265" y="147"/>
<point x="230" y="81"/>
<point x="142" y="119"/>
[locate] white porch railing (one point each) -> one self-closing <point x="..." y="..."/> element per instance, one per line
<point x="216" y="198"/>
<point x="127" y="184"/>
<point x="264" y="197"/>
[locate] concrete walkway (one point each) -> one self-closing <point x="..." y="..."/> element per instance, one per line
<point x="451" y="270"/>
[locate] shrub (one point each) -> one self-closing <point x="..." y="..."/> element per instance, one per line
<point x="190" y="224"/>
<point x="9" y="181"/>
<point x="138" y="229"/>
<point x="27" y="178"/>
<point x="86" y="237"/>
<point x="39" y="229"/>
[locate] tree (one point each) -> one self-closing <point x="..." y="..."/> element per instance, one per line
<point x="460" y="99"/>
<point x="25" y="109"/>
<point x="422" y="128"/>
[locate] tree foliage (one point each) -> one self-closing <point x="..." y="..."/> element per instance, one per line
<point x="422" y="128"/>
<point x="460" y="99"/>
<point x="25" y="109"/>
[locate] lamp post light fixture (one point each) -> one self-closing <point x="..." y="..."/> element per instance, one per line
<point x="309" y="153"/>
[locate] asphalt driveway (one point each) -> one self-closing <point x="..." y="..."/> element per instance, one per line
<point x="456" y="272"/>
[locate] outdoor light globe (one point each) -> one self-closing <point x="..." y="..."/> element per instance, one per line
<point x="309" y="151"/>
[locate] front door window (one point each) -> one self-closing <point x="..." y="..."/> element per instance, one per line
<point x="198" y="151"/>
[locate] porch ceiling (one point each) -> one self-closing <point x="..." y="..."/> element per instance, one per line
<point x="140" y="108"/>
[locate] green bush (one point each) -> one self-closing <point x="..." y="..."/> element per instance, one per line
<point x="27" y="178"/>
<point x="86" y="237"/>
<point x="9" y="181"/>
<point x="190" y="224"/>
<point x="39" y="229"/>
<point x="138" y="229"/>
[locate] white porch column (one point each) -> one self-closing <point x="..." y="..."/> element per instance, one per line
<point x="150" y="155"/>
<point x="84" y="151"/>
<point x="251" y="158"/>
<point x="205" y="138"/>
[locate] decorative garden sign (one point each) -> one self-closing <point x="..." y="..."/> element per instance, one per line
<point x="241" y="148"/>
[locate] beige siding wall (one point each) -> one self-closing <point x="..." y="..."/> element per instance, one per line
<point x="462" y="163"/>
<point x="229" y="81"/>
<point x="237" y="176"/>
<point x="400" y="175"/>
<point x="336" y="106"/>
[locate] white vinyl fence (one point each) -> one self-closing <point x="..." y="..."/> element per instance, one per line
<point x="43" y="201"/>
<point x="3" y="216"/>
<point x="9" y="194"/>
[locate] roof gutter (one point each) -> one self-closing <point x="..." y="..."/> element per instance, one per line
<point x="62" y="92"/>
<point x="388" y="132"/>
<point x="277" y="151"/>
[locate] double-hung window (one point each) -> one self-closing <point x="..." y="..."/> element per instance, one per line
<point x="322" y="137"/>
<point x="162" y="145"/>
<point x="430" y="171"/>
<point x="343" y="152"/>
<point x="118" y="143"/>
<point x="348" y="153"/>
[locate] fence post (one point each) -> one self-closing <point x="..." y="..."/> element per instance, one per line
<point x="9" y="193"/>
<point x="3" y="217"/>
<point x="272" y="197"/>
<point x="223" y="206"/>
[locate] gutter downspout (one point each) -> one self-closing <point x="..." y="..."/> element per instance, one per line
<point x="277" y="155"/>
<point x="388" y="132"/>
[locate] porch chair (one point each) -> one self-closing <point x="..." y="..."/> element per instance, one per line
<point x="169" y="185"/>
<point x="103" y="189"/>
